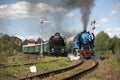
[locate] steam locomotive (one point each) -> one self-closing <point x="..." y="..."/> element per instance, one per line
<point x="83" y="44"/>
<point x="57" y="45"/>
<point x="54" y="47"/>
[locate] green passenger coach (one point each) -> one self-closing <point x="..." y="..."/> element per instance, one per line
<point x="35" y="48"/>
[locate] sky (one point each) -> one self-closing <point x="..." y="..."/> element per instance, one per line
<point x="21" y="18"/>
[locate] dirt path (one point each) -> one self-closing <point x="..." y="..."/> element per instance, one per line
<point x="103" y="72"/>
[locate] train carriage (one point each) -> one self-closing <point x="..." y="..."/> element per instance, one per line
<point x="35" y="48"/>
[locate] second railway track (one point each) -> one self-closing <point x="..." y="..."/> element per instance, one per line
<point x="74" y="72"/>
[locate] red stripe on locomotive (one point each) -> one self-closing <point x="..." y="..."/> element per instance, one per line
<point x="86" y="52"/>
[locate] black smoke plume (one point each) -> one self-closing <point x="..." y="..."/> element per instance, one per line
<point x="57" y="9"/>
<point x="85" y="7"/>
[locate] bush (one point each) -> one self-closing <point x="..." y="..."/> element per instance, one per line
<point x="118" y="56"/>
<point x="10" y="52"/>
<point x="3" y="58"/>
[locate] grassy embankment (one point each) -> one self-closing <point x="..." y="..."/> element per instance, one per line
<point x="43" y="65"/>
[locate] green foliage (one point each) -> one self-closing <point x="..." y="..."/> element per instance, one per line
<point x="115" y="44"/>
<point x="24" y="42"/>
<point x="105" y="45"/>
<point x="10" y="52"/>
<point x="118" y="55"/>
<point x="116" y="66"/>
<point x="98" y="77"/>
<point x="3" y="58"/>
<point x="10" y="44"/>
<point x="107" y="54"/>
<point x="3" y="74"/>
<point x="4" y="42"/>
<point x="45" y="64"/>
<point x="102" y="41"/>
<point x="39" y="40"/>
<point x="19" y="48"/>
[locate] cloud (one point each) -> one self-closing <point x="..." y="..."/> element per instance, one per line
<point x="13" y="10"/>
<point x="114" y="15"/>
<point x="113" y="12"/>
<point x="3" y="6"/>
<point x="35" y="37"/>
<point x="100" y="22"/>
<point x="103" y="20"/>
<point x="70" y="15"/>
<point x="24" y="9"/>
<point x="117" y="5"/>
<point x="21" y="37"/>
<point x="113" y="31"/>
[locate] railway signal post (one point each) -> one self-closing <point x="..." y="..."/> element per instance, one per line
<point x="41" y="32"/>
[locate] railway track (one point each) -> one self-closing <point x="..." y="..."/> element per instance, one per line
<point x="74" y="72"/>
<point x="83" y="72"/>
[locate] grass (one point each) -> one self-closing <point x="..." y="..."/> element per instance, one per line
<point x="46" y="59"/>
<point x="98" y="77"/>
<point x="113" y="60"/>
<point x="116" y="66"/>
<point x="44" y="64"/>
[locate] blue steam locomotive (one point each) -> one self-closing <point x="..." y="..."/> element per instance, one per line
<point x="83" y="44"/>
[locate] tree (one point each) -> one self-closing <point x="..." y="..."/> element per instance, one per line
<point x="10" y="44"/>
<point x="102" y="41"/>
<point x="4" y="42"/>
<point x="39" y="40"/>
<point x="15" y="43"/>
<point x="24" y="42"/>
<point x="115" y="44"/>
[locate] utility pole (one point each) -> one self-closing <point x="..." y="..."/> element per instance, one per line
<point x="41" y="32"/>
